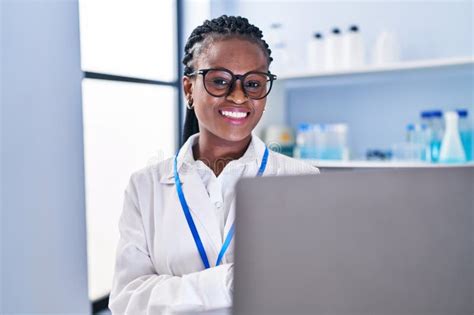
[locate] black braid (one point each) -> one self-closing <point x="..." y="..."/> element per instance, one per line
<point x="191" y="125"/>
<point x="219" y="28"/>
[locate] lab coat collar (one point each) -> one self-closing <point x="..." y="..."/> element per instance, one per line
<point x="194" y="190"/>
<point x="186" y="160"/>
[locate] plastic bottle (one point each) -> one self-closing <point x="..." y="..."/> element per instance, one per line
<point x="319" y="138"/>
<point x="336" y="142"/>
<point x="466" y="133"/>
<point x="353" y="49"/>
<point x="418" y="135"/>
<point x="304" y="142"/>
<point x="330" y="142"/>
<point x="279" y="49"/>
<point x="316" y="53"/>
<point x="334" y="50"/>
<point x="437" y="133"/>
<point x="452" y="150"/>
<point x="386" y="49"/>
<point x="425" y="117"/>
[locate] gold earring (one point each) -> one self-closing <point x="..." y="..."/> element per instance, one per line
<point x="190" y="104"/>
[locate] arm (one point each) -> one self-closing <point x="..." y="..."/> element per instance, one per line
<point x="138" y="289"/>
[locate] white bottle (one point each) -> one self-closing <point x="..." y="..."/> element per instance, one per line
<point x="386" y="49"/>
<point x="334" y="51"/>
<point x="316" y="53"/>
<point x="353" y="49"/>
<point x="278" y="46"/>
<point x="452" y="150"/>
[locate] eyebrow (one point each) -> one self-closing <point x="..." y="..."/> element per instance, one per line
<point x="262" y="69"/>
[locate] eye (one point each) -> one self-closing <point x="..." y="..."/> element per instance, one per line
<point x="253" y="84"/>
<point x="219" y="82"/>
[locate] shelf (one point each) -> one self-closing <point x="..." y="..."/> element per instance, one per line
<point x="455" y="64"/>
<point x="381" y="164"/>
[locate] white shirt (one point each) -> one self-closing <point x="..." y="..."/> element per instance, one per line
<point x="221" y="189"/>
<point x="158" y="268"/>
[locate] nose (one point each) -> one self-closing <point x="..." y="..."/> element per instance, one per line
<point x="237" y="93"/>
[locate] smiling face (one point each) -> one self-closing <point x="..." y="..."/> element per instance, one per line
<point x="229" y="118"/>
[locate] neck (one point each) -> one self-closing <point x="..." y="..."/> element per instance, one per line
<point x="217" y="153"/>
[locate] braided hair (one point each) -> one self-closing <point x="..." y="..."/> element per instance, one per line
<point x="220" y="28"/>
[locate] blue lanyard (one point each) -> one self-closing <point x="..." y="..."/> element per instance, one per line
<point x="189" y="218"/>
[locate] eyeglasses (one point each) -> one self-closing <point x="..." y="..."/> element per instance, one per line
<point x="220" y="82"/>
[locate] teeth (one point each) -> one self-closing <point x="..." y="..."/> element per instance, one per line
<point x="234" y="114"/>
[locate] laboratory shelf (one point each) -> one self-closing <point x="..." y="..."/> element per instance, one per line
<point x="381" y="164"/>
<point x="430" y="67"/>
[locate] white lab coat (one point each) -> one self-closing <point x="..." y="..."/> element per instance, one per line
<point x="158" y="268"/>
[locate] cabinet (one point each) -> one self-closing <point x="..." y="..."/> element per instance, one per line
<point x="376" y="102"/>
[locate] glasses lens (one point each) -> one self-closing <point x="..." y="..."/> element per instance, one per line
<point x="217" y="82"/>
<point x="257" y="85"/>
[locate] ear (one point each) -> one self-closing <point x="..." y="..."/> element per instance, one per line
<point x="188" y="84"/>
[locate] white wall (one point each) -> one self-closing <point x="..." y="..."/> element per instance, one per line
<point x="426" y="29"/>
<point x="43" y="217"/>
<point x="376" y="110"/>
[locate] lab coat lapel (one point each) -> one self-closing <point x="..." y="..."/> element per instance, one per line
<point x="201" y="209"/>
<point x="229" y="254"/>
<point x="270" y="170"/>
<point x="230" y="218"/>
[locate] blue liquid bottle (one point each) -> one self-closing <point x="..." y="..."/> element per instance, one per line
<point x="437" y="133"/>
<point x="426" y="120"/>
<point x="466" y="133"/>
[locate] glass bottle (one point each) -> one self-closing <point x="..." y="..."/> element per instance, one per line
<point x="466" y="133"/>
<point x="451" y="150"/>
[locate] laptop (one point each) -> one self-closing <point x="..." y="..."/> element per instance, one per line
<point x="368" y="242"/>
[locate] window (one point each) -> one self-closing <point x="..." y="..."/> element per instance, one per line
<point x="132" y="38"/>
<point x="130" y="111"/>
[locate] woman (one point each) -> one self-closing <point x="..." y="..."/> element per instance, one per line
<point x="175" y="252"/>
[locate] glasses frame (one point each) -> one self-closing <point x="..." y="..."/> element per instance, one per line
<point x="235" y="77"/>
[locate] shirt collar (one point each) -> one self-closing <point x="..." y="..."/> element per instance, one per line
<point x="253" y="154"/>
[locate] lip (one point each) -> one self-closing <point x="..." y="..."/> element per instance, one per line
<point x="235" y="121"/>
